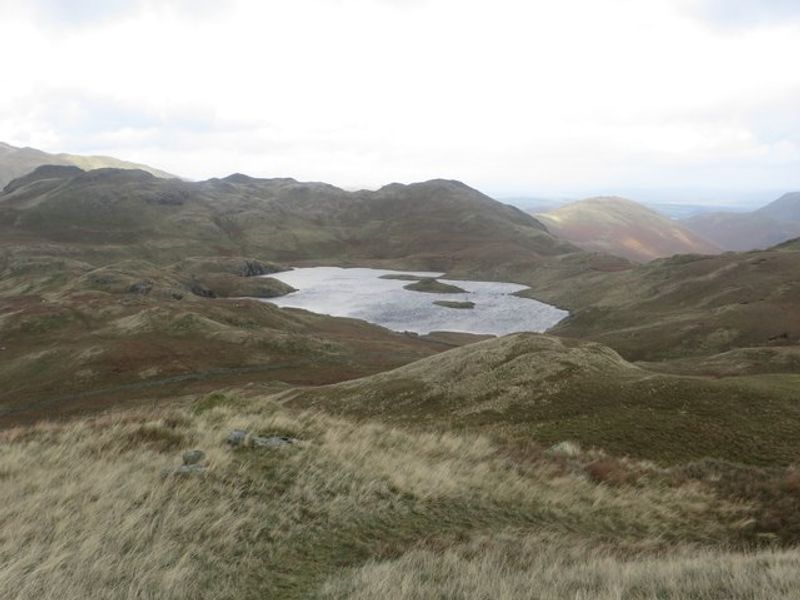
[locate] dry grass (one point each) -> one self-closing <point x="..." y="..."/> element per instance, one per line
<point x="507" y="567"/>
<point x="87" y="514"/>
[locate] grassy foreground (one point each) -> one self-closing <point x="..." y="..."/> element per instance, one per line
<point x="358" y="510"/>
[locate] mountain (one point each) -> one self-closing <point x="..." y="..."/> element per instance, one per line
<point x="129" y="213"/>
<point x="787" y="207"/>
<point x="623" y="228"/>
<point x="16" y="162"/>
<point x="147" y="264"/>
<point x="762" y="228"/>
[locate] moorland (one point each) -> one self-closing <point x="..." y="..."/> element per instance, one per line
<point x="645" y="447"/>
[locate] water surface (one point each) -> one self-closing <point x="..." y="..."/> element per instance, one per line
<point x="361" y="294"/>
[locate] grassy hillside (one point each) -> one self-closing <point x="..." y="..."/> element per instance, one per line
<point x="77" y="337"/>
<point x="670" y="308"/>
<point x="422" y="465"/>
<point x="528" y="388"/>
<point x="357" y="510"/>
<point x="16" y="162"/>
<point x="113" y="282"/>
<point x="115" y="214"/>
<point x="623" y="228"/>
<point x="676" y="307"/>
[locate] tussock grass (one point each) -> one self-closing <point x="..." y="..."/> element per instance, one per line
<point x="88" y="515"/>
<point x="505" y="567"/>
<point x="527" y="386"/>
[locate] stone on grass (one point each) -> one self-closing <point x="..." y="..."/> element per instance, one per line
<point x="193" y="457"/>
<point x="271" y="441"/>
<point x="239" y="437"/>
<point x="236" y="437"/>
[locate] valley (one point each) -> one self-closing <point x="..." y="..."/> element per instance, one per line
<point x="651" y="424"/>
<point x="400" y="300"/>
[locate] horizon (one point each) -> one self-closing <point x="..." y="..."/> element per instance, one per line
<point x="720" y="200"/>
<point x="679" y="101"/>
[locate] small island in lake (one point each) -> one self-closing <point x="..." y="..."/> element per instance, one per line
<point x="433" y="286"/>
<point x="454" y="304"/>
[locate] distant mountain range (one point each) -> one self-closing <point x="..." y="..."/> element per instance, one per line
<point x="623" y="228"/>
<point x="16" y="162"/>
<point x="774" y="223"/>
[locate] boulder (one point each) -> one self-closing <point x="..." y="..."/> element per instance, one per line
<point x="271" y="441"/>
<point x="236" y="437"/>
<point x="193" y="457"/>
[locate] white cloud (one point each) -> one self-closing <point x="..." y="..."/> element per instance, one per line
<point x="512" y="96"/>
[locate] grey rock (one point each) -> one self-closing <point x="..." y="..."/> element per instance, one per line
<point x="271" y="441"/>
<point x="236" y="437"/>
<point x="193" y="457"/>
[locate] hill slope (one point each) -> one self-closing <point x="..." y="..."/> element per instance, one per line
<point x="123" y="213"/>
<point x="786" y="208"/>
<point x="369" y="511"/>
<point x="16" y="162"/>
<point x="623" y="228"/>
<point x="680" y="306"/>
<point x="526" y="387"/>
<point x="770" y="225"/>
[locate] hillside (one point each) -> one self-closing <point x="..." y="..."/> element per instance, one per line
<point x="366" y="510"/>
<point x="114" y="281"/>
<point x="16" y="162"/>
<point x="681" y="306"/>
<point x="623" y="228"/>
<point x="131" y="213"/>
<point x="786" y="208"/>
<point x="668" y="308"/>
<point x="338" y="459"/>
<point x="770" y="225"/>
<point x="527" y="387"/>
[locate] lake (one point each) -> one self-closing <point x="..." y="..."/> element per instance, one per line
<point x="360" y="293"/>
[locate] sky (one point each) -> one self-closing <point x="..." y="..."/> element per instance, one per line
<point x="665" y="100"/>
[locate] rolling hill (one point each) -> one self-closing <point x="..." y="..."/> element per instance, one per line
<point x="124" y="277"/>
<point x="623" y="228"/>
<point x="16" y="162"/>
<point x="770" y="225"/>
<point x="528" y="386"/>
<point x="427" y="464"/>
<point x="128" y="213"/>
<point x="678" y="307"/>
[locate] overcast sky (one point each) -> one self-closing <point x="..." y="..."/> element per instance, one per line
<point x="695" y="98"/>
